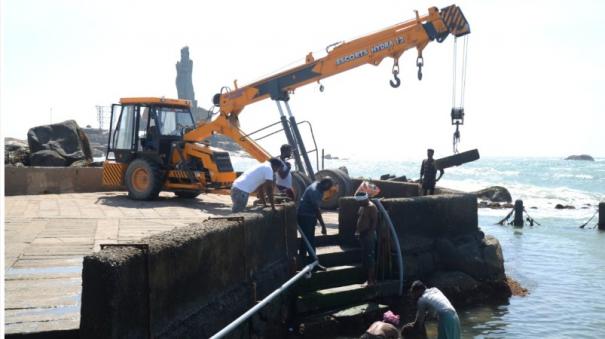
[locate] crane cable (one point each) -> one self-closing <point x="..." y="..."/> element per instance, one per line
<point x="460" y="108"/>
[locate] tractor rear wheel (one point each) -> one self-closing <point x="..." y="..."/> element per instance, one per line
<point x="143" y="179"/>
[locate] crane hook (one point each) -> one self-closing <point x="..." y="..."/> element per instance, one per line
<point x="397" y="81"/>
<point x="420" y="63"/>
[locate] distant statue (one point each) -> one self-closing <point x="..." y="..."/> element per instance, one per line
<point x="184" y="72"/>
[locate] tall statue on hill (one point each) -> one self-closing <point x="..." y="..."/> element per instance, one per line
<point x="184" y="84"/>
<point x="184" y="74"/>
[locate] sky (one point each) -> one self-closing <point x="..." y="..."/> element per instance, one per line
<point x="534" y="87"/>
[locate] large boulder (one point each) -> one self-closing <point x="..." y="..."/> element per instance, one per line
<point x="493" y="258"/>
<point x="585" y="157"/>
<point x="475" y="254"/>
<point x="495" y="194"/>
<point x="66" y="139"/>
<point x="47" y="158"/>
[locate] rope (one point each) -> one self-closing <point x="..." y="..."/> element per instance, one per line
<point x="454" y="74"/>
<point x="505" y="219"/>
<point x="464" y="63"/>
<point x="530" y="219"/>
<point x="589" y="220"/>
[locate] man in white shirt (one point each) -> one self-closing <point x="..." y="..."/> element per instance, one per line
<point x="433" y="301"/>
<point x="283" y="179"/>
<point x="251" y="180"/>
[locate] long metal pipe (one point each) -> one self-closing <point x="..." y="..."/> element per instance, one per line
<point x="290" y="137"/>
<point x="301" y="144"/>
<point x="234" y="324"/>
<point x="395" y="240"/>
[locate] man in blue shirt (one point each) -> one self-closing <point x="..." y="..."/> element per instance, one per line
<point x="308" y="213"/>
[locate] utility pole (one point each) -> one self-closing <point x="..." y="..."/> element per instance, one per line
<point x="100" y="116"/>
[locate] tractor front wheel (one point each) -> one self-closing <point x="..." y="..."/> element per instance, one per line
<point x="143" y="179"/>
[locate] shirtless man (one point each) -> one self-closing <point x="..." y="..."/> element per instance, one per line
<point x="385" y="329"/>
<point x="428" y="173"/>
<point x="367" y="220"/>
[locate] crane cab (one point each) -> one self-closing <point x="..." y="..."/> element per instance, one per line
<point x="147" y="154"/>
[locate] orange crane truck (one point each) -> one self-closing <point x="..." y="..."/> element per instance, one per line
<point x="155" y="145"/>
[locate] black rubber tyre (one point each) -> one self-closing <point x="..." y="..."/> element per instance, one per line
<point x="187" y="194"/>
<point x="144" y="179"/>
<point x="341" y="180"/>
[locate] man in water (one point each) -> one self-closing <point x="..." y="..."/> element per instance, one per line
<point x="428" y="172"/>
<point x="385" y="329"/>
<point x="433" y="301"/>
<point x="251" y="180"/>
<point x="367" y="221"/>
<point x="308" y="213"/>
<point x="283" y="179"/>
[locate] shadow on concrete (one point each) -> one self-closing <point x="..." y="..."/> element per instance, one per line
<point x="163" y="202"/>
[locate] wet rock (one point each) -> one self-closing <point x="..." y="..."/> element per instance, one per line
<point x="494" y="194"/>
<point x="564" y="207"/>
<point x="493" y="258"/>
<point x="16" y="152"/>
<point x="584" y="157"/>
<point x="66" y="139"/>
<point x="453" y="282"/>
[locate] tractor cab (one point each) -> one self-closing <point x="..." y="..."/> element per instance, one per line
<point x="147" y="154"/>
<point x="147" y="126"/>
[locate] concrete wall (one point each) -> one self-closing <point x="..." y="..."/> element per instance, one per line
<point x="441" y="244"/>
<point x="44" y="180"/>
<point x="429" y="216"/>
<point x="200" y="278"/>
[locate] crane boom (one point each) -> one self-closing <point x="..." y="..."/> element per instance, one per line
<point x="370" y="49"/>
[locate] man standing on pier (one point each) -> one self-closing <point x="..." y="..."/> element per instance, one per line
<point x="309" y="212"/>
<point x="433" y="301"/>
<point x="367" y="221"/>
<point x="283" y="179"/>
<point x="428" y="172"/>
<point x="251" y="180"/>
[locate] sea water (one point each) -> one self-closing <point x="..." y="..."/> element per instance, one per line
<point x="561" y="265"/>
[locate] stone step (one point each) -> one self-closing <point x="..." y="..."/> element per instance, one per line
<point x="330" y="256"/>
<point x="332" y="277"/>
<point x="326" y="240"/>
<point x="333" y="298"/>
<point x="351" y="320"/>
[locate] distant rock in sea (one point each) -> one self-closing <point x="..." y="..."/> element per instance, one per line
<point x="580" y="157"/>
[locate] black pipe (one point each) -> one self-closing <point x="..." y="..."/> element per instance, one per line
<point x="292" y="142"/>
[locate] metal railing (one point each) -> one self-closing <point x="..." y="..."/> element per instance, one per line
<point x="241" y="319"/>
<point x="395" y="240"/>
